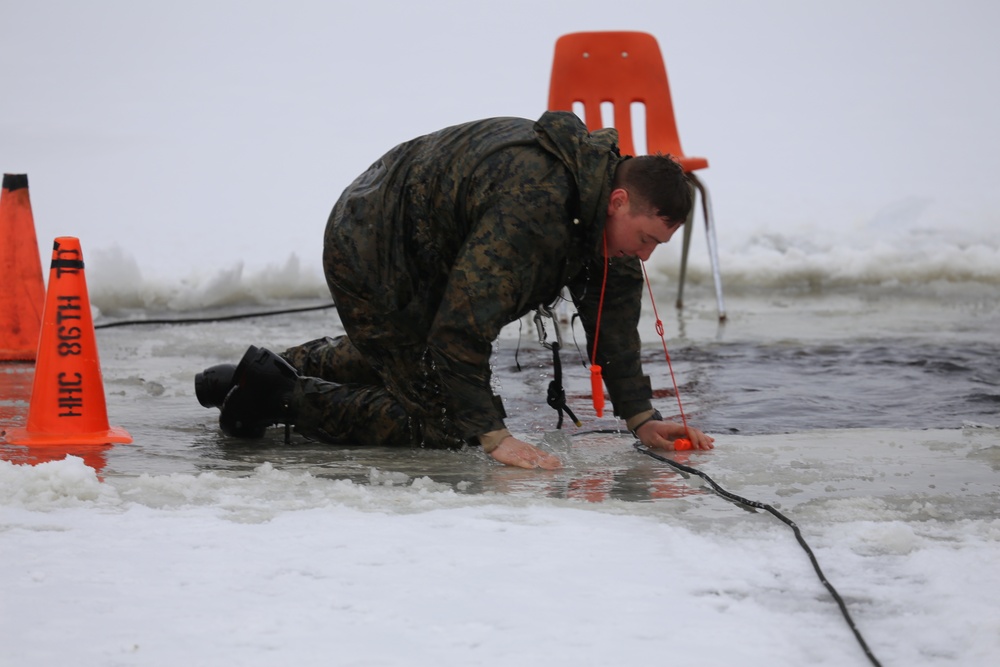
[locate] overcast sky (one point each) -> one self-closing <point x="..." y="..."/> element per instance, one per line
<point x="192" y="132"/>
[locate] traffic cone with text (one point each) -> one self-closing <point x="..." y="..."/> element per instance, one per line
<point x="23" y="294"/>
<point x="67" y="395"/>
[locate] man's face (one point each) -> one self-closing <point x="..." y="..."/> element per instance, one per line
<point x="631" y="232"/>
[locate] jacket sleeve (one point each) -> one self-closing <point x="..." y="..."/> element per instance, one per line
<point x="619" y="344"/>
<point x="512" y="254"/>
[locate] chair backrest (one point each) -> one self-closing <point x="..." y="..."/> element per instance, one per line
<point x="623" y="68"/>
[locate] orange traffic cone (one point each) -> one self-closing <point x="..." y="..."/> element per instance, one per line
<point x="23" y="295"/>
<point x="67" y="395"/>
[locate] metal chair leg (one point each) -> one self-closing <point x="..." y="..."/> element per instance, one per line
<point x="713" y="246"/>
<point x="684" y="250"/>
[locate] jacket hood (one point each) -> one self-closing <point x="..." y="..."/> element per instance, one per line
<point x="592" y="157"/>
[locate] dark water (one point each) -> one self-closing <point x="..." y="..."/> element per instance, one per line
<point x="764" y="388"/>
<point x="779" y="388"/>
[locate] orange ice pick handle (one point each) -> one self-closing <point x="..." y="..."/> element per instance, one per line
<point x="597" y="389"/>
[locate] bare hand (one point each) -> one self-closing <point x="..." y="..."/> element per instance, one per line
<point x="514" y="452"/>
<point x="661" y="434"/>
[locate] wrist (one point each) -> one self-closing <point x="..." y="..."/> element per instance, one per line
<point x="636" y="423"/>
<point x="492" y="440"/>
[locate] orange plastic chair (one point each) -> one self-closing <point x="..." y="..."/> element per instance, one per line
<point x="625" y="70"/>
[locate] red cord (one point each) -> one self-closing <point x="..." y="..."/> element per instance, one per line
<point x="596" y="381"/>
<point x="663" y="339"/>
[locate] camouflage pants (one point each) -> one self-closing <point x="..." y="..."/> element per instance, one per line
<point x="344" y="399"/>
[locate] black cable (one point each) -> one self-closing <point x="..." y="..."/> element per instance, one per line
<point x="218" y="318"/>
<point x="754" y="505"/>
<point x="558" y="401"/>
<point x="556" y="396"/>
<point x="572" y="328"/>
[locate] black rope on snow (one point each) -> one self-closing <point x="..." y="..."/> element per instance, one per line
<point x="754" y="505"/>
<point x="219" y="318"/>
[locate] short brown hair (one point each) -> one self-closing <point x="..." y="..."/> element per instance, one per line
<point x="656" y="182"/>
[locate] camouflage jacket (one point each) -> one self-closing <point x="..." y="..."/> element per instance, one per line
<point x="467" y="229"/>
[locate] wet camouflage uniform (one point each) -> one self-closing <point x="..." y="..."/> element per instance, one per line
<point x="437" y="246"/>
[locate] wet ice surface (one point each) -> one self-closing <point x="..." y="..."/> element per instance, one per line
<point x="807" y="418"/>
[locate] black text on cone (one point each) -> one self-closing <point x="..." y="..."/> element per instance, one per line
<point x="67" y="395"/>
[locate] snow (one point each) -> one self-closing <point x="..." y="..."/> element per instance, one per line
<point x="282" y="566"/>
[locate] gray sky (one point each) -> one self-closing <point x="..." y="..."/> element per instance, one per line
<point x="192" y="132"/>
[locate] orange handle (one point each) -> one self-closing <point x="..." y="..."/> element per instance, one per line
<point x="681" y="444"/>
<point x="597" y="389"/>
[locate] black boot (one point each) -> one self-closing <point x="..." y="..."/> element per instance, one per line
<point x="261" y="394"/>
<point x="212" y="385"/>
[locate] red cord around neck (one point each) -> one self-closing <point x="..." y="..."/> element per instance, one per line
<point x="596" y="381"/>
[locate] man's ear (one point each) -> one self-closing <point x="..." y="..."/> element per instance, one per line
<point x="618" y="198"/>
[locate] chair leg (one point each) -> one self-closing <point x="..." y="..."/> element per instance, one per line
<point x="713" y="246"/>
<point x="684" y="251"/>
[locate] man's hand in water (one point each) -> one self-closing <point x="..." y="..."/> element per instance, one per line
<point x="661" y="434"/>
<point x="514" y="452"/>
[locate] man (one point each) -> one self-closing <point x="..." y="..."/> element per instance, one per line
<point x="432" y="251"/>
